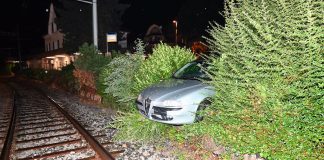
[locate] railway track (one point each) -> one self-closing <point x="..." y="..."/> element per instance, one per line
<point x="32" y="126"/>
<point x="6" y="99"/>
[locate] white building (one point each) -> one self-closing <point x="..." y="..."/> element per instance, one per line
<point x="54" y="56"/>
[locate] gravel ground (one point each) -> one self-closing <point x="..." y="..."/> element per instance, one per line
<point x="5" y="110"/>
<point x="39" y="138"/>
<point x="96" y="118"/>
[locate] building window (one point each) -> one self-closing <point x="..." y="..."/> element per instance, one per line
<point x="58" y="44"/>
<point x="54" y="45"/>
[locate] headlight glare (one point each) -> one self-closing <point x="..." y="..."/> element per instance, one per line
<point x="140" y="98"/>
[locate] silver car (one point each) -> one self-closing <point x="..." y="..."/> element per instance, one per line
<point x="177" y="100"/>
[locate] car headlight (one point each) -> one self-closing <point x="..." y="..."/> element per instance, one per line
<point x="140" y="98"/>
<point x="172" y="103"/>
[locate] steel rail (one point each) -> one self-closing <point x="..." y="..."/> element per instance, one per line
<point x="5" y="153"/>
<point x="105" y="155"/>
<point x="9" y="142"/>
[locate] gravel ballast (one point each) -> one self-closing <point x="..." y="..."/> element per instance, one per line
<point x="95" y="119"/>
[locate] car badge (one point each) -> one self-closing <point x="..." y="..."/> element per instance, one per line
<point x="147" y="105"/>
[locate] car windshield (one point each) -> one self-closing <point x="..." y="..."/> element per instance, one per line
<point x="192" y="70"/>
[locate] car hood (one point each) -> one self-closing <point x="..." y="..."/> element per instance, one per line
<point x="172" y="89"/>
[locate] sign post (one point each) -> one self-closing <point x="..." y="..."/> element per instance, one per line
<point x="111" y="37"/>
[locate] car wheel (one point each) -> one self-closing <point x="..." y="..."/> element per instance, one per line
<point x="202" y="106"/>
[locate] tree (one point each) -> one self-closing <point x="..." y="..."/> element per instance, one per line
<point x="269" y="79"/>
<point x="75" y="20"/>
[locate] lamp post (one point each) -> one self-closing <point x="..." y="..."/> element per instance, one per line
<point x="94" y="20"/>
<point x="176" y="31"/>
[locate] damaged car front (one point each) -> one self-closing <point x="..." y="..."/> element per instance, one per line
<point x="177" y="100"/>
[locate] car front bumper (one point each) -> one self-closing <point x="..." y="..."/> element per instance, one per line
<point x="168" y="115"/>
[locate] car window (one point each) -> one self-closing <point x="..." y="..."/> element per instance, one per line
<point x="192" y="70"/>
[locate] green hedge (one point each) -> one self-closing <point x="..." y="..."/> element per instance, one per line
<point x="90" y="60"/>
<point x="269" y="79"/>
<point x="66" y="80"/>
<point x="160" y="65"/>
<point x="118" y="77"/>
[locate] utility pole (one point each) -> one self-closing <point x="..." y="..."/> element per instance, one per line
<point x="19" y="46"/>
<point x="94" y="20"/>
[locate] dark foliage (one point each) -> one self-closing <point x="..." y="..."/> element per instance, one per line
<point x="75" y="21"/>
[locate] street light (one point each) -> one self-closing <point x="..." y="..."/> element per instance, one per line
<point x="94" y="20"/>
<point x="176" y="30"/>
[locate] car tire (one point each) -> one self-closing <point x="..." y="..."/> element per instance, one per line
<point x="202" y="106"/>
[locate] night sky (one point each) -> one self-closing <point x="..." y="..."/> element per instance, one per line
<point x="160" y="12"/>
<point x="29" y="17"/>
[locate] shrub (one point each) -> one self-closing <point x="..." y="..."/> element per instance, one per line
<point x="118" y="76"/>
<point x="160" y="65"/>
<point x="115" y="53"/>
<point x="66" y="80"/>
<point x="139" y="46"/>
<point x="269" y="78"/>
<point x="40" y="74"/>
<point x="90" y="60"/>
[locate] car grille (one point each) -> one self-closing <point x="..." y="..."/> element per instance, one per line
<point x="160" y="113"/>
<point x="147" y="104"/>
